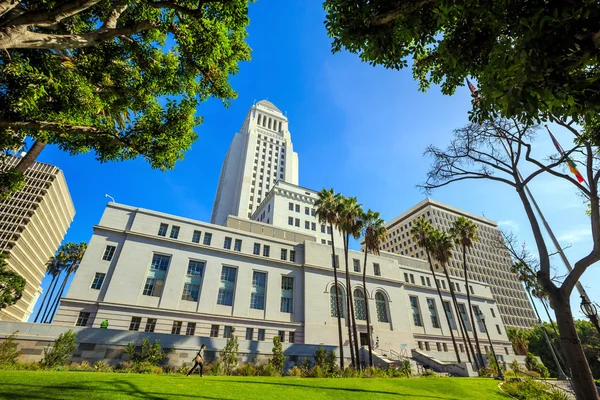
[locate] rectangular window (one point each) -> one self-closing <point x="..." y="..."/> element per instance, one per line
<point x="291" y="207"/>
<point x="498" y="329"/>
<point x="292" y="337"/>
<point x="462" y="348"/>
<point x="329" y="230"/>
<point x="297" y="222"/>
<point x="376" y="269"/>
<point x="420" y="344"/>
<point x="287" y="294"/>
<point x="445" y="346"/>
<point x="162" y="230"/>
<point x="313" y="212"/>
<point x="214" y="331"/>
<point x="293" y="255"/>
<point x="412" y="279"/>
<point x="313" y="226"/>
<point x="238" y="245"/>
<point x="444" y="285"/>
<point x="109" y="252"/>
<point x="439" y="346"/>
<point x="196" y="237"/>
<point x="297" y="207"/>
<point x="249" y="333"/>
<point x="335" y="261"/>
<point x="427" y="346"/>
<point x="266" y="250"/>
<point x="176" y="329"/>
<point x="457" y="287"/>
<point x="284" y="254"/>
<point x="207" y="238"/>
<point x="471" y="289"/>
<point x="281" y="335"/>
<point x="306" y="210"/>
<point x="150" y="325"/>
<point x="225" y="296"/>
<point x="256" y="250"/>
<point x="193" y="280"/>
<point x="290" y="220"/>
<point x="227" y="332"/>
<point x="261" y="334"/>
<point x="190" y="330"/>
<point x="135" y="323"/>
<point x="480" y="324"/>
<point x="257" y="294"/>
<point x="156" y="275"/>
<point x="306" y="224"/>
<point x="435" y="322"/>
<point x="227" y="243"/>
<point x="428" y="282"/>
<point x="448" y="311"/>
<point x="98" y="280"/>
<point x="414" y="305"/>
<point x="423" y="280"/>
<point x="493" y="313"/>
<point x="463" y="314"/>
<point x="322" y="228"/>
<point x="506" y="350"/>
<point x="174" y="232"/>
<point x="356" y="264"/>
<point x="405" y="277"/>
<point x="82" y="319"/>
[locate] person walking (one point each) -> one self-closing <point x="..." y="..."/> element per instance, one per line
<point x="198" y="361"/>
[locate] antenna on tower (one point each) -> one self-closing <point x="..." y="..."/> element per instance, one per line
<point x="110" y="197"/>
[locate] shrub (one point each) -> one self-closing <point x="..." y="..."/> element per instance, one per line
<point x="320" y="355"/>
<point x="486" y="372"/>
<point x="295" y="371"/>
<point x="146" y="367"/>
<point x="317" y="372"/>
<point x="532" y="364"/>
<point x="183" y="369"/>
<point x="531" y="389"/>
<point x="429" y="374"/>
<point x="214" y="368"/>
<point x="267" y="370"/>
<point x="148" y="352"/>
<point x="246" y="369"/>
<point x="373" y="372"/>
<point x="59" y="354"/>
<point x="515" y="367"/>
<point x="350" y="373"/>
<point x="125" y="366"/>
<point x="229" y="355"/>
<point x="9" y="354"/>
<point x="102" y="366"/>
<point x="278" y="360"/>
<point x="85" y="366"/>
<point x="170" y="369"/>
<point x="406" y="368"/>
<point x="305" y="366"/>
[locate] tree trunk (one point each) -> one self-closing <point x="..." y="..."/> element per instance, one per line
<point x="581" y="375"/>
<point x="337" y="303"/>
<point x="351" y="297"/>
<point x="50" y="300"/>
<point x="29" y="158"/>
<point x="560" y="352"/>
<point x="364" y="279"/>
<point x="348" y="309"/>
<point x="437" y="286"/>
<point x="57" y="300"/>
<point x="461" y="328"/>
<point x="481" y="360"/>
<point x="51" y="285"/>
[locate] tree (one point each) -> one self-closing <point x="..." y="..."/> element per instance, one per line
<point x="145" y="352"/>
<point x="229" y="354"/>
<point x="278" y="359"/>
<point x="68" y="258"/>
<point x="464" y="232"/>
<point x="349" y="212"/>
<point x="441" y="249"/>
<point x="59" y="354"/>
<point x="52" y="268"/>
<point x="375" y="233"/>
<point x="520" y="339"/>
<point x="529" y="58"/>
<point x="493" y="150"/>
<point x="11" y="284"/>
<point x="120" y="78"/>
<point x="326" y="210"/>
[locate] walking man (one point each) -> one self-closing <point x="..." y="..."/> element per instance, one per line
<point x="198" y="361"/>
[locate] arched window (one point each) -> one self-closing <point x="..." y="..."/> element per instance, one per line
<point x="381" y="306"/>
<point x="332" y="305"/>
<point x="359" y="305"/>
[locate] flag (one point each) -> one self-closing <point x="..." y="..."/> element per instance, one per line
<point x="570" y="163"/>
<point x="473" y="90"/>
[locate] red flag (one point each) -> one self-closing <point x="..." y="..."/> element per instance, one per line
<point x="473" y="90"/>
<point x="570" y="163"/>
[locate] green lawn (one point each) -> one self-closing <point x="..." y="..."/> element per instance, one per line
<point x="92" y="385"/>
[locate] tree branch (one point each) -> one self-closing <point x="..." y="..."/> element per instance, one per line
<point x="401" y="11"/>
<point x="113" y="18"/>
<point x="52" y="16"/>
<point x="50" y="126"/>
<point x="7" y="5"/>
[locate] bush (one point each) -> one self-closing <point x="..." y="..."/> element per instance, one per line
<point x="246" y="369"/>
<point x="530" y="389"/>
<point x="350" y="373"/>
<point x="532" y="364"/>
<point x="267" y="370"/>
<point x="320" y="355"/>
<point x="9" y="354"/>
<point x="406" y="368"/>
<point x="305" y="366"/>
<point x="429" y="374"/>
<point x="170" y="369"/>
<point x="183" y="369"/>
<point x="214" y="368"/>
<point x="278" y="360"/>
<point x="125" y="366"/>
<point x="373" y="372"/>
<point x="59" y="354"/>
<point x="101" y="366"/>
<point x="317" y="372"/>
<point x="229" y="355"/>
<point x="295" y="371"/>
<point x="146" y="367"/>
<point x="148" y="352"/>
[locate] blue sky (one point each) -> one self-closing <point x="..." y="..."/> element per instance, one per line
<point x="359" y="129"/>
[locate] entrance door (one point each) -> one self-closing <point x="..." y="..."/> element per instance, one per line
<point x="364" y="339"/>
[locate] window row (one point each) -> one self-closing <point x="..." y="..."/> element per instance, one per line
<point x="360" y="312"/>
<point x="297" y="208"/>
<point x="447" y="347"/>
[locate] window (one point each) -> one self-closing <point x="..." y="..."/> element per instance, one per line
<point x="207" y="238"/>
<point x="292" y="255"/>
<point x="238" y="245"/>
<point x="480" y="325"/>
<point x="297" y="207"/>
<point x="339" y="306"/>
<point x="284" y="254"/>
<point x="249" y="333"/>
<point x="323" y="241"/>
<point x="463" y="314"/>
<point x="292" y="337"/>
<point x="428" y="282"/>
<point x="196" y="236"/>
<point x="356" y="265"/>
<point x="306" y="224"/>
<point x="506" y="350"/>
<point x="192" y="281"/>
<point x="266" y="250"/>
<point x="423" y="280"/>
<point x="443" y="284"/>
<point x="462" y="348"/>
<point x="190" y="329"/>
<point x="297" y="222"/>
<point x="176" y="329"/>
<point x="427" y="346"/>
<point x="322" y="228"/>
<point x="291" y="206"/>
<point x="290" y="220"/>
<point x="256" y="250"/>
<point x="306" y="210"/>
<point x="261" y="334"/>
<point x="227" y="331"/>
<point x="329" y="230"/>
<point x="156" y="275"/>
<point x="493" y="313"/>
<point x="405" y="277"/>
<point x="420" y="344"/>
<point x="412" y="279"/>
<point x="414" y="305"/>
<point x="174" y="232"/>
<point x="109" y="252"/>
<point x="287" y="294"/>
<point x="281" y="335"/>
<point x="150" y="325"/>
<point x="335" y="261"/>
<point x="227" y="243"/>
<point x="471" y="289"/>
<point x="439" y="346"/>
<point x="257" y="295"/>
<point x="435" y="322"/>
<point x="359" y="305"/>
<point x="82" y="319"/>
<point x="445" y="346"/>
<point x="162" y="231"/>
<point x="498" y="329"/>
<point x="381" y="307"/>
<point x="225" y="296"/>
<point x="214" y="331"/>
<point x="448" y="311"/>
<point x="98" y="280"/>
<point x="135" y="323"/>
<point x="313" y="226"/>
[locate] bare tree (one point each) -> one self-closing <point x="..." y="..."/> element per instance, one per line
<point x="493" y="151"/>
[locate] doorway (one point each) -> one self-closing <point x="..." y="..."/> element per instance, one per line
<point x="364" y="339"/>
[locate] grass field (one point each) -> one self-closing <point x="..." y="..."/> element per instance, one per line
<point x="91" y="385"/>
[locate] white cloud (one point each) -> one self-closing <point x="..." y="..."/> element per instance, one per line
<point x="575" y="235"/>
<point x="511" y="225"/>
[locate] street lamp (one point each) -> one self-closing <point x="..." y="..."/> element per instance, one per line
<point x="589" y="309"/>
<point x="482" y="318"/>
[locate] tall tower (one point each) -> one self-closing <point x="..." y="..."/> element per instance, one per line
<point x="259" y="155"/>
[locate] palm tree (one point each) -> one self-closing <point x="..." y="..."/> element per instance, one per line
<point x="375" y="233"/>
<point x="326" y="210"/>
<point x="52" y="268"/>
<point x="349" y="213"/>
<point x="441" y="245"/>
<point x="421" y="234"/>
<point x="68" y="258"/>
<point x="464" y="232"/>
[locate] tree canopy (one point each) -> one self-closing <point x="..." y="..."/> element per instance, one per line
<point x="119" y="78"/>
<point x="11" y="284"/>
<point x="530" y="58"/>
